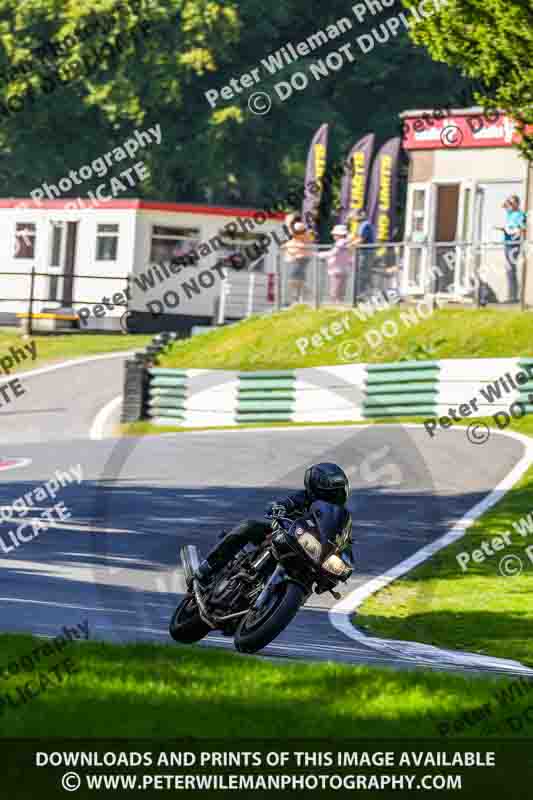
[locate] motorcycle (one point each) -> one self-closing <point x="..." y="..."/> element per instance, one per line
<point x="256" y="595"/>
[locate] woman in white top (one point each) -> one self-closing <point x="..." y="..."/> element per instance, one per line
<point x="340" y="260"/>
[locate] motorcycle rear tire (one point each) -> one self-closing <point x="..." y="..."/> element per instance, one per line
<point x="186" y="625"/>
<point x="249" y="639"/>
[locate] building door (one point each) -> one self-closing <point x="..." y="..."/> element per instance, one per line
<point x="465" y="251"/>
<point x="62" y="262"/>
<point x="416" y="235"/>
<point x="445" y="230"/>
<point x="69" y="263"/>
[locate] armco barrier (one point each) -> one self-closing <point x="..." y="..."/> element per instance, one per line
<point x="407" y="388"/>
<point x="526" y="390"/>
<point x="265" y="397"/>
<point x="167" y="392"/>
<point x="210" y="398"/>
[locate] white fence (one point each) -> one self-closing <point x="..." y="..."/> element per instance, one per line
<point x="475" y="274"/>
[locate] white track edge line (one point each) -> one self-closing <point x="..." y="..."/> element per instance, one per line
<point x="73" y="363"/>
<point x="341" y="612"/>
<point x="97" y="431"/>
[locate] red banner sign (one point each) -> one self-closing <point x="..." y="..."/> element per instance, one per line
<point x="436" y="130"/>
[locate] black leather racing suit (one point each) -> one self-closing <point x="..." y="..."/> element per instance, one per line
<point x="255" y="532"/>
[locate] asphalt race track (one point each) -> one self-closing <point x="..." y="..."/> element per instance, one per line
<point x="115" y="561"/>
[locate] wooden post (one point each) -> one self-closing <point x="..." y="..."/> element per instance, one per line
<point x="30" y="310"/>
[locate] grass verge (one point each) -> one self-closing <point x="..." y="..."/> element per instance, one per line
<point x="54" y="348"/>
<point x="480" y="610"/>
<point x="150" y="690"/>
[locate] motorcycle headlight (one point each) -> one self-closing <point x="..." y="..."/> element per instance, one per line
<point x="336" y="566"/>
<point x="311" y="546"/>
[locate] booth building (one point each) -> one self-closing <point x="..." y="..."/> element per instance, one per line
<point x="81" y="255"/>
<point x="463" y="164"/>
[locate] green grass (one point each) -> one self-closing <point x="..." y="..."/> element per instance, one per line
<point x="62" y="347"/>
<point x="478" y="610"/>
<point x="269" y="342"/>
<point x="146" y="428"/>
<point x="146" y="690"/>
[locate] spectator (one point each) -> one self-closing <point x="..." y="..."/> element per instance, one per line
<point x="366" y="235"/>
<point x="297" y="256"/>
<point x="340" y="261"/>
<point x="513" y="233"/>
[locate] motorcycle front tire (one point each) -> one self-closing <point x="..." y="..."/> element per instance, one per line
<point x="250" y="637"/>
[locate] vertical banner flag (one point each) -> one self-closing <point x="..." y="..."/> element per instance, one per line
<point x="354" y="181"/>
<point x="383" y="190"/>
<point x="314" y="173"/>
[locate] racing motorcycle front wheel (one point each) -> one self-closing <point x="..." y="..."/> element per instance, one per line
<point x="260" y="626"/>
<point x="186" y="625"/>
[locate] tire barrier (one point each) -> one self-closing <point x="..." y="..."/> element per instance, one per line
<point x="345" y="393"/>
<point x="525" y="391"/>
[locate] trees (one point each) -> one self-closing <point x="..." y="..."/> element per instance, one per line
<point x="491" y="40"/>
<point x="111" y="77"/>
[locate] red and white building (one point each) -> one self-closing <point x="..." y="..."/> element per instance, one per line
<point x="82" y="255"/>
<point x="462" y="166"/>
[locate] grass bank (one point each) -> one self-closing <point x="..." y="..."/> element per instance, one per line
<point x="270" y="342"/>
<point x="148" y="690"/>
<point x="483" y="609"/>
<point x="55" y="348"/>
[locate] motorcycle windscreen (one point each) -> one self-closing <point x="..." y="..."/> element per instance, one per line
<point x="330" y="520"/>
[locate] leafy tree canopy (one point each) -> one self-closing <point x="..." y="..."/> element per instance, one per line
<point x="491" y="40"/>
<point x="149" y="62"/>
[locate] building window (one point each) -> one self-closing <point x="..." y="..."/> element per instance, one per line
<point x="106" y="242"/>
<point x="172" y="243"/>
<point x="242" y="251"/>
<point x="25" y="240"/>
<point x="418" y="223"/>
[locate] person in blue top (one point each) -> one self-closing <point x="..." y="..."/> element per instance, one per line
<point x="366" y="235"/>
<point x="514" y="232"/>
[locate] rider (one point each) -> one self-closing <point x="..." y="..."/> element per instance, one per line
<point x="324" y="481"/>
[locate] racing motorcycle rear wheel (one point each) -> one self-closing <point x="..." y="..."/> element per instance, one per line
<point x="260" y="627"/>
<point x="186" y="625"/>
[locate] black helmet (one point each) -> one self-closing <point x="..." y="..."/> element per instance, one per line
<point x="327" y="482"/>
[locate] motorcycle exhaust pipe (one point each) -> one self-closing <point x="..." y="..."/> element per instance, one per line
<point x="190" y="560"/>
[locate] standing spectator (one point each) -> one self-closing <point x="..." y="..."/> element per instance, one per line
<point x="297" y="256"/>
<point x="513" y="233"/>
<point x="340" y="260"/>
<point x="366" y="235"/>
